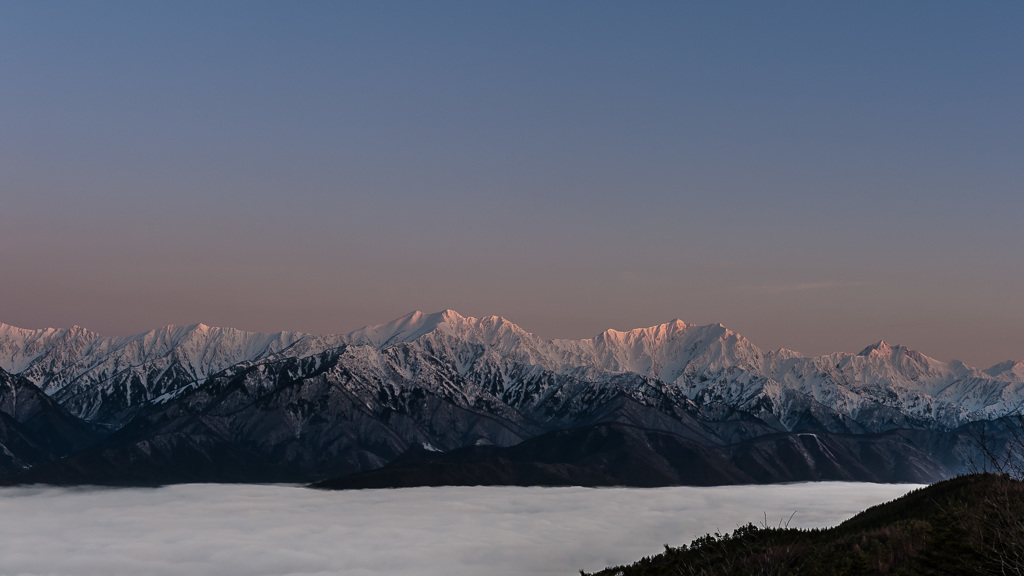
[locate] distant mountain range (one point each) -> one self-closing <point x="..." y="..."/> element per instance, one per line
<point x="435" y="394"/>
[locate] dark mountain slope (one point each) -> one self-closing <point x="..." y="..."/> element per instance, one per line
<point x="18" y="449"/>
<point x="805" y="456"/>
<point x="967" y="525"/>
<point x="49" y="423"/>
<point x="34" y="428"/>
<point x="335" y="414"/>
<point x="600" y="455"/>
<point x="622" y="455"/>
<point x="283" y="420"/>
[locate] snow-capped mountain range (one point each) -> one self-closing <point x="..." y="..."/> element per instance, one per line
<point x="83" y="370"/>
<point x="447" y="380"/>
<point x="86" y="372"/>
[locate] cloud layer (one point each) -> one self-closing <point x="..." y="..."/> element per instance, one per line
<point x="252" y="530"/>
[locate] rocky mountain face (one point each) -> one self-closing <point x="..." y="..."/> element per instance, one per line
<point x="108" y="380"/>
<point x="212" y="404"/>
<point x="34" y="428"/>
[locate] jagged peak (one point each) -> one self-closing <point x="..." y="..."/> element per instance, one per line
<point x="886" y="350"/>
<point x="491" y="329"/>
<point x="404" y="328"/>
<point x="170" y="331"/>
<point x="4" y="327"/>
<point x="47" y="333"/>
<point x="785" y="353"/>
<point x="897" y="353"/>
<point x="201" y="328"/>
<point x="656" y="331"/>
<point x="417" y="324"/>
<point x="881" y="347"/>
<point x="211" y="340"/>
<point x="449" y="314"/>
<point x="1009" y="367"/>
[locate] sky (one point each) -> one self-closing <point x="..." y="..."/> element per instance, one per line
<point x="251" y="530"/>
<point x="814" y="175"/>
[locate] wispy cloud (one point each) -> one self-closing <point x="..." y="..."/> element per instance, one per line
<point x="228" y="530"/>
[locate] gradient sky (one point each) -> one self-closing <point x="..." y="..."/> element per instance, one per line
<point x="814" y="175"/>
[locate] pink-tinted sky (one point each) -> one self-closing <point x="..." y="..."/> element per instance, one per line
<point x="813" y="175"/>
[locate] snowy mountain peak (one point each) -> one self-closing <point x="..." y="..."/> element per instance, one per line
<point x="106" y="379"/>
<point x="7" y="330"/>
<point x="909" y="359"/>
<point x="662" y="351"/>
<point x="651" y="334"/>
<point x="20" y="347"/>
<point x="786" y="354"/>
<point x="404" y="329"/>
<point x="1011" y="371"/>
<point x="880" y="348"/>
<point x="89" y="373"/>
<point x="449" y="314"/>
<point x="412" y="326"/>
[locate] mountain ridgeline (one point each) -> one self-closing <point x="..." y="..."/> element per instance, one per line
<point x="446" y="399"/>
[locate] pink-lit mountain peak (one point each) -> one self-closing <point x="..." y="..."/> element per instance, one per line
<point x="707" y="361"/>
<point x="662" y="350"/>
<point x="1010" y="370"/>
<point x="878" y="348"/>
<point x="417" y="324"/>
<point x="655" y="333"/>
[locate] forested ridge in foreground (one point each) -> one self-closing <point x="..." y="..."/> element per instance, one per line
<point x="971" y="524"/>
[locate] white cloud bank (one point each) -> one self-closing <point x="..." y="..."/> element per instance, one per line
<point x="249" y="530"/>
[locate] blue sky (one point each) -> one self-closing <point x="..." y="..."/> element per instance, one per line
<point x="813" y="175"/>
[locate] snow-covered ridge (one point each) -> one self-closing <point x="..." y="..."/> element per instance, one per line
<point x="714" y="363"/>
<point x="663" y="350"/>
<point x="1009" y="371"/>
<point x="659" y="350"/>
<point x="19" y="347"/>
<point x="199" y="348"/>
<point x="91" y="374"/>
<point x="84" y="370"/>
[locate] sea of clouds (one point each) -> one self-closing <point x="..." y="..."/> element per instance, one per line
<point x="251" y="530"/>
